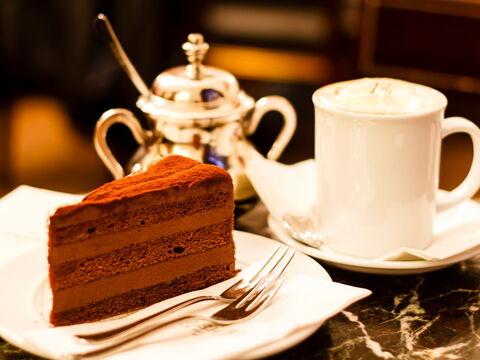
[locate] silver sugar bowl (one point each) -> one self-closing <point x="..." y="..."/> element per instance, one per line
<point x="197" y="111"/>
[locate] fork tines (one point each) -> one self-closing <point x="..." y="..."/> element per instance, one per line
<point x="267" y="281"/>
<point x="260" y="295"/>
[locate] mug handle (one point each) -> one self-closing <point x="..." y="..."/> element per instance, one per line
<point x="108" y="118"/>
<point x="471" y="183"/>
<point x="283" y="106"/>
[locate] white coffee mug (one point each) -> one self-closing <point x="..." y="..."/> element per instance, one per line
<point x="377" y="152"/>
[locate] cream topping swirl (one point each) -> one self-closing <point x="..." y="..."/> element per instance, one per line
<point x="380" y="96"/>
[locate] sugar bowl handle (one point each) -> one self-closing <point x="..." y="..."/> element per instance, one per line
<point x="283" y="106"/>
<point x="110" y="117"/>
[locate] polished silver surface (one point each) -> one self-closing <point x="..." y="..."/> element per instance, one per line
<point x="242" y="309"/>
<point x="301" y="228"/>
<point x="196" y="94"/>
<point x="195" y="49"/>
<point x="197" y="111"/>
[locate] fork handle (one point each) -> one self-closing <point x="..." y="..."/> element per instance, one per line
<point x="116" y="345"/>
<point x="113" y="333"/>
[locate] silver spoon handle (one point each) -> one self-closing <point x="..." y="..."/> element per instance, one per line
<point x="106" y="31"/>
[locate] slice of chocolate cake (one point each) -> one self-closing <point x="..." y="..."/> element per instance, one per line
<point x="141" y="239"/>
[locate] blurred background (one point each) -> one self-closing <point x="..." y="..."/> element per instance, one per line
<point x="57" y="77"/>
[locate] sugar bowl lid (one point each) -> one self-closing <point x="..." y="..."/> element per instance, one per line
<point x="195" y="92"/>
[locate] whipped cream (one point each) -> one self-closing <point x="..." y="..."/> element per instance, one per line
<point x="380" y="96"/>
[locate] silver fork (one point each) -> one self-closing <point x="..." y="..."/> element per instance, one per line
<point x="242" y="309"/>
<point x="230" y="294"/>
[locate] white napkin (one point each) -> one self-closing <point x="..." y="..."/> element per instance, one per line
<point x="291" y="189"/>
<point x="24" y="214"/>
<point x="282" y="188"/>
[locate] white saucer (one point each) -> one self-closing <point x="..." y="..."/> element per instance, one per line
<point x="373" y="266"/>
<point x="24" y="307"/>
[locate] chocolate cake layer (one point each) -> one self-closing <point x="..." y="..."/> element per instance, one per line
<point x="139" y="298"/>
<point x="77" y="296"/>
<point x="112" y="241"/>
<point x="140" y="255"/>
<point x="139" y="218"/>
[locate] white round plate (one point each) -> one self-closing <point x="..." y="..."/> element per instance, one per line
<point x="24" y="303"/>
<point x="370" y="266"/>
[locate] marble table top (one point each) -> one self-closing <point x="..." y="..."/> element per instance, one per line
<point x="427" y="316"/>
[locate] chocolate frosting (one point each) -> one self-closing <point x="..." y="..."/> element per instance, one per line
<point x="171" y="177"/>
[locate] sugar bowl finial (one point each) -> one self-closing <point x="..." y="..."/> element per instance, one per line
<point x="195" y="49"/>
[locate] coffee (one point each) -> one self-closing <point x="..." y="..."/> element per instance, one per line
<point x="380" y="96"/>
